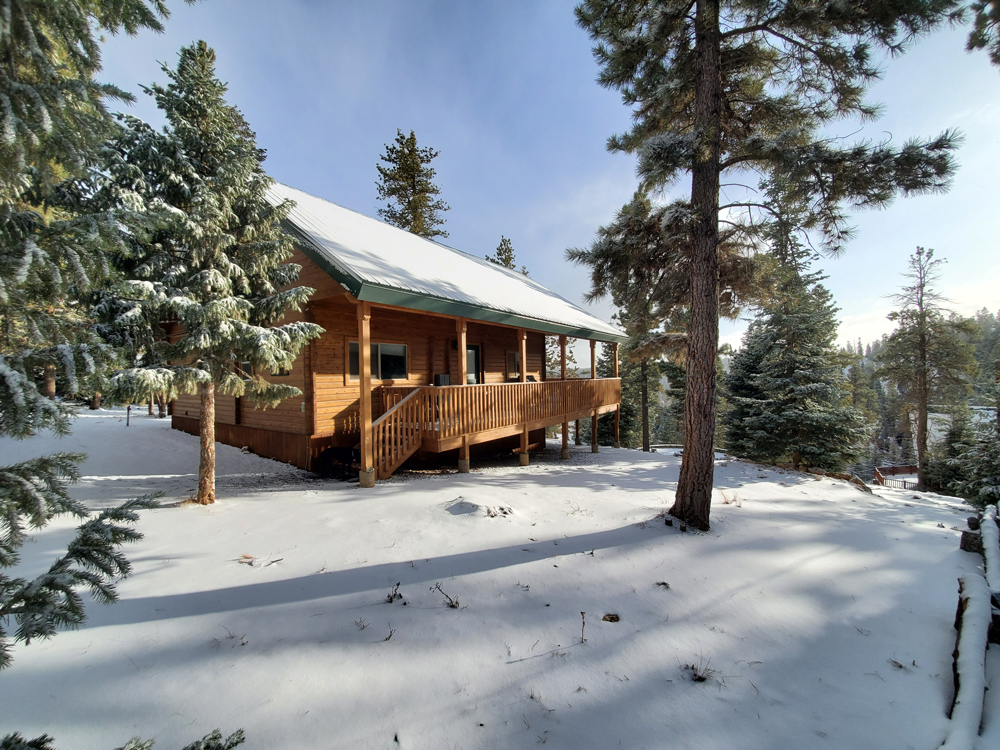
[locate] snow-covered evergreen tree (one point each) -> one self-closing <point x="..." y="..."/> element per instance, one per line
<point x="785" y="387"/>
<point x="929" y="355"/>
<point x="407" y="184"/>
<point x="51" y="253"/>
<point x="977" y="464"/>
<point x="208" y="252"/>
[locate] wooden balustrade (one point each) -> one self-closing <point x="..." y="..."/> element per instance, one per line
<point x="389" y="396"/>
<point x="451" y="412"/>
<point x="398" y="433"/>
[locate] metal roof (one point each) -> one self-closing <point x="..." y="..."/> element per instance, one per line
<point x="378" y="262"/>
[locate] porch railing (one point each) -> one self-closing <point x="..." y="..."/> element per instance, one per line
<point x="454" y="411"/>
<point x="463" y="410"/>
<point x="398" y="433"/>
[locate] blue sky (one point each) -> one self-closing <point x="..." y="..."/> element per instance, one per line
<point x="506" y="92"/>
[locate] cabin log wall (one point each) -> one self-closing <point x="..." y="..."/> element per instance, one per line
<point x="327" y="412"/>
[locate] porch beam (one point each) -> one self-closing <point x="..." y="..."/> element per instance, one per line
<point x="367" y="474"/>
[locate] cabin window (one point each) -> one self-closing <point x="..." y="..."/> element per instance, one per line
<point x="513" y="366"/>
<point x="246" y="370"/>
<point x="388" y="361"/>
<point x="392" y="361"/>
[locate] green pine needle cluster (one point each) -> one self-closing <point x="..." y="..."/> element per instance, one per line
<point x="407" y="184"/>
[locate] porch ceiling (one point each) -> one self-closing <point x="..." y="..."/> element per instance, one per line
<point x="380" y="263"/>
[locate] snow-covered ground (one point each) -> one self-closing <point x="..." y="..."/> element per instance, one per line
<point x="821" y="616"/>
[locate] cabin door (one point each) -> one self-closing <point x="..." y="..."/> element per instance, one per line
<point x="473" y="364"/>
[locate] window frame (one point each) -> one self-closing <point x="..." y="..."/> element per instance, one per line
<point x="516" y="378"/>
<point x="350" y="379"/>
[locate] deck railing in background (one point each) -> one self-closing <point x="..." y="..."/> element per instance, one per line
<point x="883" y="472"/>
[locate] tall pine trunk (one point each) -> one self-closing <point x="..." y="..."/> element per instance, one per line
<point x="49" y="381"/>
<point x="693" y="500"/>
<point x="206" y="468"/>
<point x="923" y="396"/>
<point x="643" y="370"/>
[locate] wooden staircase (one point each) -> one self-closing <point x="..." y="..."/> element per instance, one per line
<point x="398" y="433"/>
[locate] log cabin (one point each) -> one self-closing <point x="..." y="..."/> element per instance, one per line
<point x="426" y="350"/>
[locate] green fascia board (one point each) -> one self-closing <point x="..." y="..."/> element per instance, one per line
<point x="370" y="292"/>
<point x="317" y="256"/>
<point x="428" y="303"/>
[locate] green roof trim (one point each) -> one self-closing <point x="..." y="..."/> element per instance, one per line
<point x="313" y="253"/>
<point x="416" y="301"/>
<point x="378" y="293"/>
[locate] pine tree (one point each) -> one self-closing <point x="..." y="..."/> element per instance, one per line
<point x="721" y="87"/>
<point x="787" y="395"/>
<point x="942" y="467"/>
<point x="505" y="256"/>
<point x="985" y="32"/>
<point x="52" y="252"/>
<point x="669" y="424"/>
<point x="54" y="119"/>
<point x="928" y="355"/>
<point x="987" y="355"/>
<point x="407" y="183"/>
<point x="208" y="254"/>
<point x="977" y="464"/>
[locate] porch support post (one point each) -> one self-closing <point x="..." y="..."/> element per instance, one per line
<point x="461" y="328"/>
<point x="463" y="456"/>
<point x="565" y="395"/>
<point x="593" y="376"/>
<point x="522" y="341"/>
<point x="618" y="409"/>
<point x="366" y="476"/>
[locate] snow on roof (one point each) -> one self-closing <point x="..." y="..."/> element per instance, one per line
<point x="378" y="256"/>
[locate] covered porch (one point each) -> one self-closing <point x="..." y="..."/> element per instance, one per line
<point x="441" y="418"/>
